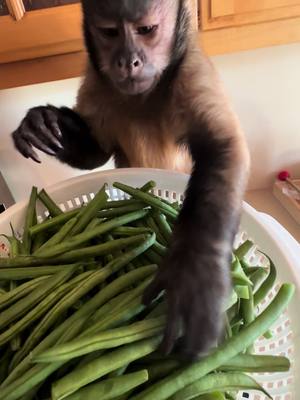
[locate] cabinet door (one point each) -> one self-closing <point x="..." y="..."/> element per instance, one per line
<point x="224" y="13"/>
<point x="47" y="30"/>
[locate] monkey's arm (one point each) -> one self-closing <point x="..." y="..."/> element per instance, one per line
<point x="59" y="132"/>
<point x="195" y="273"/>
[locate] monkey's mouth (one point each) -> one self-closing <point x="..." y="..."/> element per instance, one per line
<point x="134" y="86"/>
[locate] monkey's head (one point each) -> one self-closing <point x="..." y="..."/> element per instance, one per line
<point x="131" y="43"/>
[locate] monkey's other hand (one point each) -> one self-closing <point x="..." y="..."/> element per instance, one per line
<point x="39" y="129"/>
<point x="196" y="284"/>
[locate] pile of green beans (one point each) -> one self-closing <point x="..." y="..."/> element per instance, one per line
<point x="72" y="322"/>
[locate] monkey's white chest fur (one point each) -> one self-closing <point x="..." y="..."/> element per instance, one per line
<point x="153" y="147"/>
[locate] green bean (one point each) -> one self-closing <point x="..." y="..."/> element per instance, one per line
<point x="29" y="219"/>
<point x="159" y="248"/>
<point x="216" y="382"/>
<point x="54" y="222"/>
<point x="248" y="312"/>
<point x="88" y="212"/>
<point x="238" y="273"/>
<point x="148" y="199"/>
<point x="130" y="231"/>
<point x="153" y="256"/>
<point x="242" y="291"/>
<point x="230" y="348"/>
<point x="121" y="203"/>
<point x="257" y="278"/>
<point x="90" y="306"/>
<point x="72" y="255"/>
<point x="19" y="292"/>
<point x="243" y="249"/>
<point x="93" y="223"/>
<point x="256" y="363"/>
<point x="102" y="366"/>
<point x="103" y="340"/>
<point x="2" y="291"/>
<point x="163" y="225"/>
<point x="36" y="312"/>
<point x="50" y="204"/>
<point x="108" y="389"/>
<point x="92" y="279"/>
<point x="38" y="240"/>
<point x="19" y="274"/>
<point x="212" y="396"/>
<point x="151" y="223"/>
<point x="59" y="236"/>
<point x="24" y="305"/>
<point x="114" y="212"/>
<point x="265" y="288"/>
<point x="162" y="368"/>
<point x="148" y="186"/>
<point x="83" y="237"/>
<point x="5" y="359"/>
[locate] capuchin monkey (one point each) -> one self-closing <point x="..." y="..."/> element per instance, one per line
<point x="151" y="98"/>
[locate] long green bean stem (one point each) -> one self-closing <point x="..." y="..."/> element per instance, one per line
<point x="230" y="348"/>
<point x="94" y="370"/>
<point x="29" y="221"/>
<point x="148" y="199"/>
<point x="83" y="237"/>
<point x="88" y="212"/>
<point x="220" y="381"/>
<point x="72" y="255"/>
<point x="108" y="389"/>
<point x="53" y="223"/>
<point x="49" y="203"/>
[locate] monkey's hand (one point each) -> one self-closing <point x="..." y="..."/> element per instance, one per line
<point x="196" y="282"/>
<point x="59" y="132"/>
<point x="39" y="129"/>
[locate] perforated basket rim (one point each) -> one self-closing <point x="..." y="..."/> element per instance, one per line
<point x="266" y="232"/>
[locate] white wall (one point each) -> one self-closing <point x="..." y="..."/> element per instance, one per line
<point x="264" y="86"/>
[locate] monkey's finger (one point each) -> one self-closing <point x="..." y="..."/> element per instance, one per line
<point x="25" y="149"/>
<point x="153" y="290"/>
<point x="50" y="118"/>
<point x="37" y="124"/>
<point x="172" y="326"/>
<point x="36" y="142"/>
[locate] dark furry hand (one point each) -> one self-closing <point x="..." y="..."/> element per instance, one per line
<point x="39" y="129"/>
<point x="196" y="285"/>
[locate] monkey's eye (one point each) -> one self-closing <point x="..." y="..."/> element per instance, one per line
<point x="109" y="32"/>
<point x="145" y="30"/>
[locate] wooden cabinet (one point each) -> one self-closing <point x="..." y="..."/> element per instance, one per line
<point x="44" y="41"/>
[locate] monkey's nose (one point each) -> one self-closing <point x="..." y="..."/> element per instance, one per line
<point x="129" y="68"/>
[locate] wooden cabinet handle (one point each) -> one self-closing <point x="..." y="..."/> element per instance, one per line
<point x="16" y="9"/>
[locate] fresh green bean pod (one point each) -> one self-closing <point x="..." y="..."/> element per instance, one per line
<point x="90" y="211"/>
<point x="130" y="231"/>
<point x="19" y="274"/>
<point x="53" y="223"/>
<point x="94" y="370"/>
<point x="40" y="292"/>
<point x="103" y="340"/>
<point x="257" y="278"/>
<point x="83" y="237"/>
<point x="265" y="288"/>
<point x="256" y="363"/>
<point x="152" y="225"/>
<point x="19" y="292"/>
<point x="148" y="199"/>
<point x="58" y="237"/>
<point x="36" y="312"/>
<point x="72" y="255"/>
<point x="219" y="382"/>
<point x="148" y="186"/>
<point x="163" y="225"/>
<point x="159" y="248"/>
<point x="244" y="249"/>
<point x="29" y="221"/>
<point x="49" y="203"/>
<point x="115" y="212"/>
<point x="229" y="349"/>
<point x="108" y="389"/>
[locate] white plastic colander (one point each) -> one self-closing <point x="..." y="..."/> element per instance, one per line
<point x="267" y="234"/>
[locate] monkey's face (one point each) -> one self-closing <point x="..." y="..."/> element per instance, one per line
<point x="131" y="40"/>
